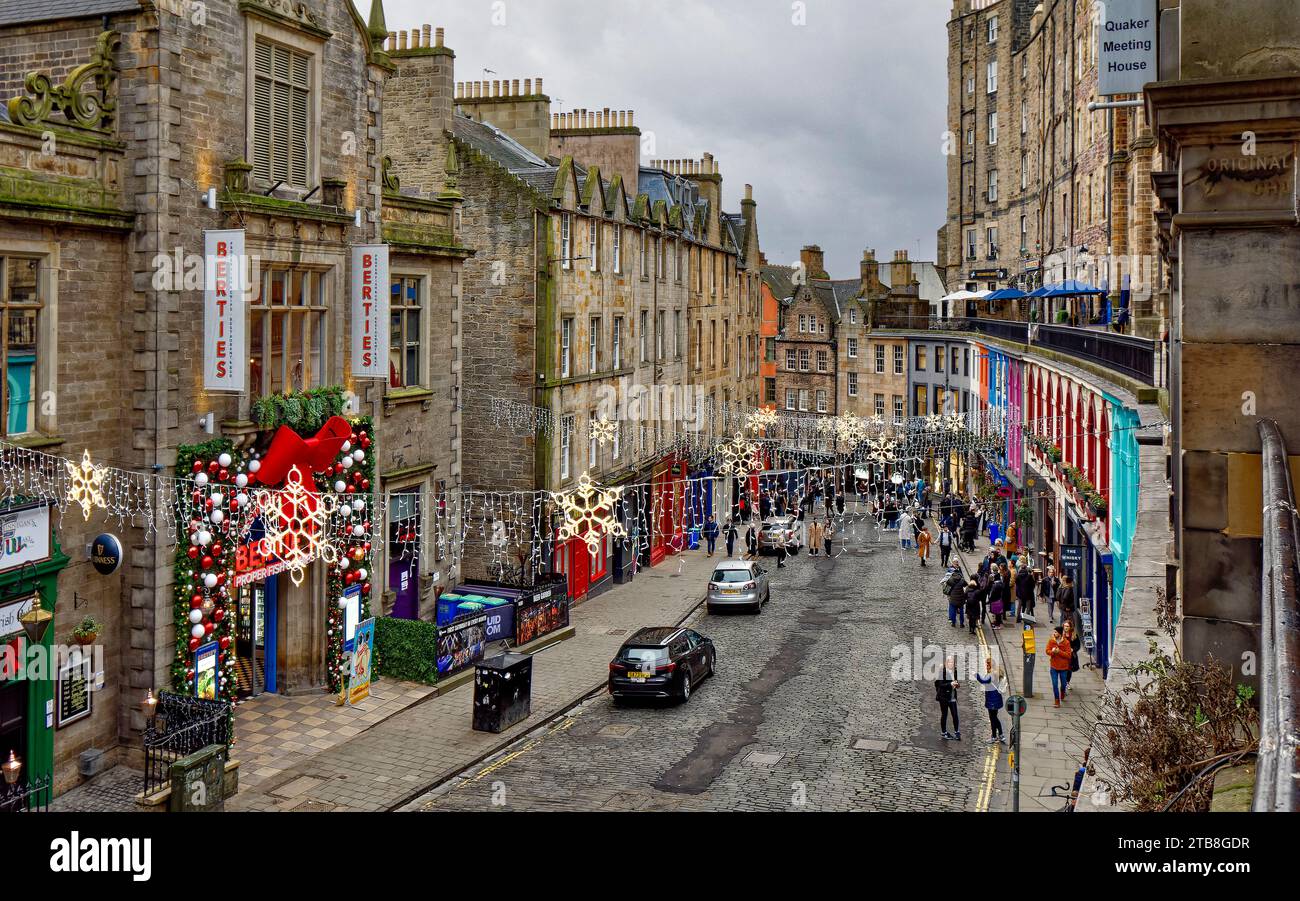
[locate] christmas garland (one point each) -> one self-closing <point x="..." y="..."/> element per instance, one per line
<point x="216" y="503"/>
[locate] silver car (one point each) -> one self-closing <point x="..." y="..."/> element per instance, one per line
<point x="738" y="583"/>
<point x="779" y="531"/>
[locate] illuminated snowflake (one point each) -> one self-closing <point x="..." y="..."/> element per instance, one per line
<point x="954" y="422"/>
<point x="295" y="518"/>
<point x="738" y="457"/>
<point x="850" y="429"/>
<point x="87" y="486"/>
<point x="603" y="430"/>
<point x="880" y="450"/>
<point x="589" y="513"/>
<point x="761" y="420"/>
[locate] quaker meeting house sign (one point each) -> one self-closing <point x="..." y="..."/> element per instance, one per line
<point x="106" y="554"/>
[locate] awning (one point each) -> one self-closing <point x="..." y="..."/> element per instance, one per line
<point x="1007" y="294"/>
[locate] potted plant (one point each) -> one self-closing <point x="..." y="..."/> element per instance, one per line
<point x="1098" y="504"/>
<point x="87" y="631"/>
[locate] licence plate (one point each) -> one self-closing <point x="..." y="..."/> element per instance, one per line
<point x="638" y="676"/>
<point x="730" y="591"/>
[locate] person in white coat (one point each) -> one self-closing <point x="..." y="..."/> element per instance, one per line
<point x="905" y="530"/>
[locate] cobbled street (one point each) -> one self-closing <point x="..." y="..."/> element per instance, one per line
<point x="802" y="713"/>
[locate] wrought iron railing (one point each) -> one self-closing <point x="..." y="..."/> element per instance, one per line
<point x="26" y="797"/>
<point x="1277" y="771"/>
<point x="181" y="726"/>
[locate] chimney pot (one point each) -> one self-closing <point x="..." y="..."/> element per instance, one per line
<point x="415" y="38"/>
<point x="401" y="40"/>
<point x="439" y="35"/>
<point x="514" y="87"/>
<point x="528" y="86"/>
<point x="539" y="86"/>
<point x="629" y="118"/>
<point x="749" y="192"/>
<point x="392" y="40"/>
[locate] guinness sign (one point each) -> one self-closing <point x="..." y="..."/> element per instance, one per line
<point x="105" y="553"/>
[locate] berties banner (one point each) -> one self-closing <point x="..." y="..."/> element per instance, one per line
<point x="224" y="345"/>
<point x="370" y="311"/>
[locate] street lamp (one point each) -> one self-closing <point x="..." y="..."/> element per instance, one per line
<point x="37" y="619"/>
<point x="12" y="768"/>
<point x="150" y="706"/>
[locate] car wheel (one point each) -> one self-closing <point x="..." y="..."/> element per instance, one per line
<point x="767" y="596"/>
<point x="758" y="606"/>
<point x="713" y="663"/>
<point x="686" y="686"/>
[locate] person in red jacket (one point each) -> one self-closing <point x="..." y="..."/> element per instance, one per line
<point x="1060" y="653"/>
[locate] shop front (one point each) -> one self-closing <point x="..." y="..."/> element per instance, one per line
<point x="30" y="563"/>
<point x="668" y="487"/>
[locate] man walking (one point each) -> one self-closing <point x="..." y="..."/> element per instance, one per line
<point x="1024" y="591"/>
<point x="731" y="538"/>
<point x="751" y="543"/>
<point x="711" y="534"/>
<point x="954" y="590"/>
<point x="905" y="530"/>
<point x="945" y="692"/>
<point x="945" y="545"/>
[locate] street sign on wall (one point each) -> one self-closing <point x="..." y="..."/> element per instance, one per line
<point x="224" y="339"/>
<point x="1126" y="46"/>
<point x="370" y="299"/>
<point x="1072" y="558"/>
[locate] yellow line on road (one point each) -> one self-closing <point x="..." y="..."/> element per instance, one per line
<point x="562" y="726"/>
<point x="992" y="754"/>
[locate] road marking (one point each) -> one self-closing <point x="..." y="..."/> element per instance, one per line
<point x="992" y="753"/>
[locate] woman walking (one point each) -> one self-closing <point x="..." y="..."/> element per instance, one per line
<point x="1058" y="651"/>
<point x="972" y="605"/>
<point x="923" y="544"/>
<point x="995" y="686"/>
<point x="1072" y="637"/>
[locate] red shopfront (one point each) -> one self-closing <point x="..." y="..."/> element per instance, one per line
<point x="668" y="492"/>
<point x="586" y="570"/>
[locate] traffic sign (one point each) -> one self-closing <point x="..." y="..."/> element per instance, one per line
<point x="1016" y="705"/>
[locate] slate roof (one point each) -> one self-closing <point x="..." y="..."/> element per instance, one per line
<point x="780" y="280"/>
<point x="18" y="12"/>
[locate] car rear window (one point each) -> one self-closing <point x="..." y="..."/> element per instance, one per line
<point x="731" y="575"/>
<point x="645" y="657"/>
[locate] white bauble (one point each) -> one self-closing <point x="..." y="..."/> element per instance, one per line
<point x="347" y="446"/>
<point x="217" y="516"/>
<point x="362" y="574"/>
<point x="201" y="478"/>
<point x="224" y="460"/>
<point x="346" y="462"/>
<point x="358" y="530"/>
<point x="196" y="615"/>
<point x="210" y="580"/>
<point x="340" y="486"/>
<point x="358" y="505"/>
<point x="197" y="632"/>
<point x="241" y="480"/>
<point x="358" y="455"/>
<point x="205" y="537"/>
<point x="343" y="603"/>
<point x="254" y="465"/>
<point x="343" y="563"/>
<point x="241" y="499"/>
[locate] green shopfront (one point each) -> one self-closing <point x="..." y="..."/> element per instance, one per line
<point x="30" y="562"/>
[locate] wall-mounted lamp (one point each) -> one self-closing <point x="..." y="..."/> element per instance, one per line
<point x="208" y="423"/>
<point x="209" y="198"/>
<point x="356" y="217"/>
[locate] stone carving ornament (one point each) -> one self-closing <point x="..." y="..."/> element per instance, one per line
<point x="83" y="98"/>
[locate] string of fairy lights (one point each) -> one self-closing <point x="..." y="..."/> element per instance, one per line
<point x="514" y="530"/>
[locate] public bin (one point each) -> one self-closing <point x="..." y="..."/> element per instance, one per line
<point x="503" y="690"/>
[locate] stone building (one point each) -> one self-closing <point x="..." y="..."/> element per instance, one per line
<point x="1041" y="189"/>
<point x="113" y="199"/>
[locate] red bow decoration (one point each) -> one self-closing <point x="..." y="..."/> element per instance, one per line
<point x="310" y="455"/>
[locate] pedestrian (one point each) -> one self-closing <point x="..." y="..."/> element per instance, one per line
<point x="803" y="526"/>
<point x="1058" y="651"/>
<point x="985" y="581"/>
<point x="997" y="598"/>
<point x="780" y="555"/>
<point x="1048" y="587"/>
<point x="1065" y="598"/>
<point x="945" y="545"/>
<point x="751" y="544"/>
<point x="969" y="528"/>
<point x="954" y="589"/>
<point x="994" y="682"/>
<point x="711" y="534"/>
<point x="814" y="538"/>
<point x="828" y="536"/>
<point x="905" y="530"/>
<point x="972" y="604"/>
<point x="731" y="538"/>
<point x="945" y="692"/>
<point x="1025" y="585"/>
<point x="923" y="544"/>
<point x="1072" y="636"/>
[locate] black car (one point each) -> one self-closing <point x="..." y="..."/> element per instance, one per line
<point x="661" y="662"/>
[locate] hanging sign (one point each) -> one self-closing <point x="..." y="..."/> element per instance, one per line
<point x="1126" y="55"/>
<point x="105" y="554"/>
<point x="224" y="276"/>
<point x="370" y="289"/>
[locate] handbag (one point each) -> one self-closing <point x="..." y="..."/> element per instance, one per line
<point x="994" y="700"/>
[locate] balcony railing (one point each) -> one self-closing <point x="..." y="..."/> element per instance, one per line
<point x="1130" y="356"/>
<point x="182" y="725"/>
<point x="1277" y="770"/>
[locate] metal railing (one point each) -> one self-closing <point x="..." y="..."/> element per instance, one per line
<point x="1125" y="354"/>
<point x="181" y="726"/>
<point x="1277" y="772"/>
<point x="26" y="797"/>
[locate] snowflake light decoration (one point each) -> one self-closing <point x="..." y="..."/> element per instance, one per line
<point x="881" y="450"/>
<point x="87" y="486"/>
<point x="295" y="518"/>
<point x="603" y="430"/>
<point x="954" y="422"/>
<point x="761" y="420"/>
<point x="589" y="513"/>
<point x="850" y="429"/>
<point x="738" y="457"/>
<point x="933" y="422"/>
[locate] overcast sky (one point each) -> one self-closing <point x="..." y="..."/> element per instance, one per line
<point x="836" y="123"/>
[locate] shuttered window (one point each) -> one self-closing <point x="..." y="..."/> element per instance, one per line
<point x="281" y="121"/>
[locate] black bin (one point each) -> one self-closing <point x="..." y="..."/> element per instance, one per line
<point x="503" y="691"/>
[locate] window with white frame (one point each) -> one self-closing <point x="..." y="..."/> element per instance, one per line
<point x="287" y="346"/>
<point x="823" y="363"/>
<point x="677" y="334"/>
<point x="880" y="405"/>
<point x="880" y="359"/>
<point x="900" y="360"/>
<point x="659" y="335"/>
<point x="593" y="245"/>
<point x="803" y="323"/>
<point x="898" y="408"/>
<point x="853" y="384"/>
<point x="993" y="185"/>
<point x="853" y="316"/>
<point x="821" y="400"/>
<point x="803" y="399"/>
<point x="991" y="77"/>
<point x="593" y="446"/>
<point x="789" y="398"/>
<point x="645" y="256"/>
<point x="643" y="336"/>
<point x="566" y="446"/>
<point x="617" y="249"/>
<point x="853" y="348"/>
<point x="616" y="340"/>
<point x="566" y="348"/>
<point x="791" y="359"/>
<point x="566" y="240"/>
<point x="993" y="29"/>
<point x="805" y="359"/>
<point x="993" y="128"/>
<point x="593" y="346"/>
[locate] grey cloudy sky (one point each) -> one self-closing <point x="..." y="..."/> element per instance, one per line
<point x="836" y="123"/>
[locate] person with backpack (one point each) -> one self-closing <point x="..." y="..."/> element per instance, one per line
<point x="954" y="589"/>
<point x="995" y="688"/>
<point x="945" y="692"/>
<point x="972" y="605"/>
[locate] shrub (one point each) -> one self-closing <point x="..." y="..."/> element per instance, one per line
<point x="407" y="649"/>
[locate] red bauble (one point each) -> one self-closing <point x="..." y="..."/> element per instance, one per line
<point x="365" y="589"/>
<point x="206" y="562"/>
<point x="213" y="467"/>
<point x="194" y="644"/>
<point x="207" y="628"/>
<point x="193" y="551"/>
<point x="219" y="614"/>
<point x="365" y="442"/>
<point x="224" y="475"/>
<point x="225" y="642"/>
<point x="216" y="549"/>
<point x="365" y="484"/>
<point x="352" y="489"/>
<point x="356" y="476"/>
<point x="221" y="578"/>
<point x="198" y="464"/>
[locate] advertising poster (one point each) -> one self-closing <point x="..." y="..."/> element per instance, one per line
<point x="362" y="659"/>
<point x="500" y="622"/>
<point x="205" y="671"/>
<point x="461" y="645"/>
<point x="541" y="617"/>
<point x="370" y="325"/>
<point x="351" y="616"/>
<point x="224" y="347"/>
<point x="24" y="536"/>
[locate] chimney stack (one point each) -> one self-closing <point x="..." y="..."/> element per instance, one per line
<point x="814" y="261"/>
<point x="870" y="273"/>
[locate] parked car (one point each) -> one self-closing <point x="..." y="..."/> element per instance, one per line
<point x="779" y="531"/>
<point x="738" y="583"/>
<point x="661" y="662"/>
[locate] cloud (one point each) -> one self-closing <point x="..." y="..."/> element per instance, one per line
<point x="836" y="123"/>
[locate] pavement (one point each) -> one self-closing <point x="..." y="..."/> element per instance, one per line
<point x="1052" y="740"/>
